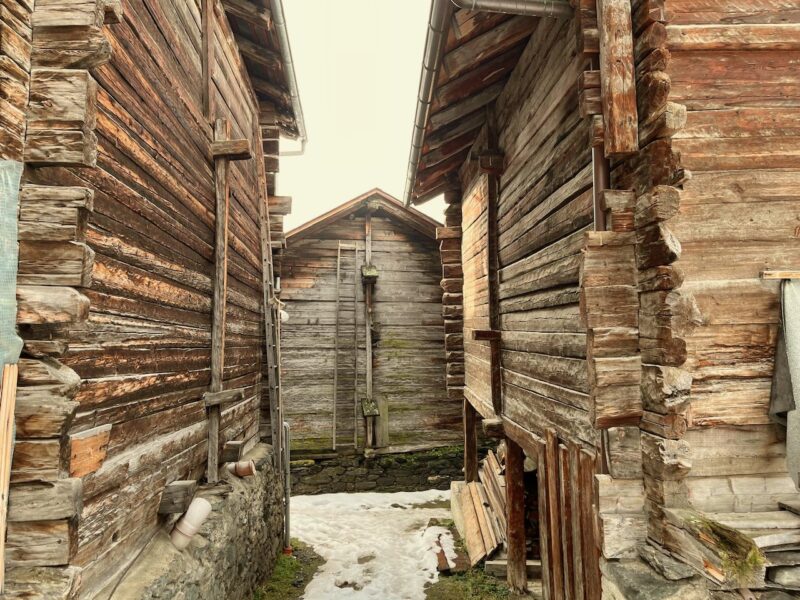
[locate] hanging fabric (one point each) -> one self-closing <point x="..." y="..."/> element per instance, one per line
<point x="786" y="377"/>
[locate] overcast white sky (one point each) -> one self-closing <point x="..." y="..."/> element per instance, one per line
<point x="357" y="65"/>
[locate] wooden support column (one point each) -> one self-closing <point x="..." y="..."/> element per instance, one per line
<point x="207" y="30"/>
<point x="381" y="432"/>
<point x="221" y="133"/>
<point x="470" y="443"/>
<point x="617" y="77"/>
<point x="515" y="509"/>
<point x="491" y="163"/>
<point x="223" y="151"/>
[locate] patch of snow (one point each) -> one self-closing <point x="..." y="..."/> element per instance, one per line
<point x="376" y="546"/>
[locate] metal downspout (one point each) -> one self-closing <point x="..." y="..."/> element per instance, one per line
<point x="279" y="20"/>
<point x="432" y="59"/>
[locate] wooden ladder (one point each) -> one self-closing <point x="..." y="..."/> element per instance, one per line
<point x="273" y="339"/>
<point x="354" y="248"/>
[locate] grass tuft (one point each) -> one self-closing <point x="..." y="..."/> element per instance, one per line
<point x="291" y="574"/>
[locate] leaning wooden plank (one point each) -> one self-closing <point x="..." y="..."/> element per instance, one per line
<point x="456" y="509"/>
<point x="472" y="531"/>
<point x="554" y="515"/>
<point x="618" y="81"/>
<point x="515" y="515"/>
<point x="486" y="531"/>
<point x="8" y="395"/>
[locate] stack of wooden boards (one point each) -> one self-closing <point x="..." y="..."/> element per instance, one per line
<point x="479" y="511"/>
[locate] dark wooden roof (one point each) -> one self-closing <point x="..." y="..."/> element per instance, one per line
<point x="481" y="51"/>
<point x="389" y="205"/>
<point x="251" y="22"/>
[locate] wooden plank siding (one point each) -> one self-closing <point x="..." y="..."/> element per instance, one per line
<point x="408" y="357"/>
<point x="542" y="214"/>
<point x="143" y="353"/>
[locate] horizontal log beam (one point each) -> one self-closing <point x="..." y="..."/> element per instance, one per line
<point x="223" y="397"/>
<point x="232" y="150"/>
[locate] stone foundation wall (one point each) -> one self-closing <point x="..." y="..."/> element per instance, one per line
<point x="412" y="471"/>
<point x="233" y="554"/>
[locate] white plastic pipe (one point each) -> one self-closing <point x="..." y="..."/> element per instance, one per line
<point x="245" y="468"/>
<point x="190" y="523"/>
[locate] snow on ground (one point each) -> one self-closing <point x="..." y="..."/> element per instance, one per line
<point x="376" y="546"/>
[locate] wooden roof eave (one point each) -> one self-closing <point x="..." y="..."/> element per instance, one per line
<point x="264" y="63"/>
<point x="475" y="70"/>
<point x="418" y="221"/>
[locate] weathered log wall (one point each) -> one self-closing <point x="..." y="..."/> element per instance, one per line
<point x="724" y="75"/>
<point x="408" y="356"/>
<point x="128" y="344"/>
<point x="15" y="65"/>
<point x="542" y="215"/>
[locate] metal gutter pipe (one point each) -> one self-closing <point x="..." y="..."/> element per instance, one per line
<point x="533" y="8"/>
<point x="432" y="59"/>
<point x="279" y="21"/>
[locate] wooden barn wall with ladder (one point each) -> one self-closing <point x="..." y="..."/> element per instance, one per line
<point x="369" y="261"/>
<point x="622" y="202"/>
<point x="149" y="133"/>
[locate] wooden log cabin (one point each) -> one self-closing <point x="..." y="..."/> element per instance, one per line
<point x="363" y="349"/>
<point x="621" y="180"/>
<point x="149" y="134"/>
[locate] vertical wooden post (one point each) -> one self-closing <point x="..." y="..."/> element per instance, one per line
<point x="221" y="133"/>
<point x="470" y="443"/>
<point x="553" y="522"/>
<point x="515" y="508"/>
<point x="207" y="25"/>
<point x="617" y="77"/>
<point x="493" y="169"/>
<point x="378" y="437"/>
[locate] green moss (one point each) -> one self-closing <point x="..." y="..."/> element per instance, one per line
<point x="415" y="458"/>
<point x="291" y="574"/>
<point x="475" y="584"/>
<point x="396" y="344"/>
<point x="741" y="560"/>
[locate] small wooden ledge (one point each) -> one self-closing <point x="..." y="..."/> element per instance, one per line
<point x="176" y="497"/>
<point x="223" y="397"/>
<point x="231" y="150"/>
<point x="780" y="274"/>
<point x="486" y="335"/>
<point x="493" y="428"/>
